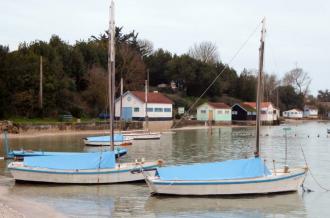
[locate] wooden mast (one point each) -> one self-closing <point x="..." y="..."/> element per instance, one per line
<point x="111" y="71"/>
<point x="259" y="90"/>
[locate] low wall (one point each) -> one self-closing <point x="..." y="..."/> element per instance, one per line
<point x="159" y="126"/>
<point x="67" y="126"/>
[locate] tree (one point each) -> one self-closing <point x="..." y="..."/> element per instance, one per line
<point x="206" y="52"/>
<point x="299" y="79"/>
<point x="270" y="83"/>
<point x="323" y="96"/>
<point x="246" y="86"/>
<point x="289" y="99"/>
<point x="146" y="47"/>
<point x="157" y="63"/>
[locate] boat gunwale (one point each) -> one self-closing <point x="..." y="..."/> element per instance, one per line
<point x="81" y="172"/>
<point x="272" y="178"/>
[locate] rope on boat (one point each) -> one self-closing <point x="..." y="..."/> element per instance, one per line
<point x="312" y="175"/>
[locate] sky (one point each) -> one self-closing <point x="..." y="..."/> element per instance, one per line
<point x="298" y="31"/>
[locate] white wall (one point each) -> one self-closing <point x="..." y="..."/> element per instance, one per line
<point x="136" y="103"/>
<point x="268" y="114"/>
<point x="293" y="114"/>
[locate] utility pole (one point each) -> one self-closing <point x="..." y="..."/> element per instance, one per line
<point x="146" y="99"/>
<point x="121" y="101"/>
<point x="40" y="84"/>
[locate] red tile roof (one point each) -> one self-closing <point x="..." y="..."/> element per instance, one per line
<point x="219" y="105"/>
<point x="153" y="97"/>
<point x="253" y="104"/>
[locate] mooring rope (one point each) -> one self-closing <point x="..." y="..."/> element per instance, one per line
<point x="311" y="173"/>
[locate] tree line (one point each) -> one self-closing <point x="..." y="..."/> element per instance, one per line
<point x="75" y="76"/>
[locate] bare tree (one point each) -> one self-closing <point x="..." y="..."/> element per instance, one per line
<point x="206" y="52"/>
<point x="270" y="83"/>
<point x="146" y="47"/>
<point x="299" y="79"/>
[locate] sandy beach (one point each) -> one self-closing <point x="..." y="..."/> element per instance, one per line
<point x="12" y="206"/>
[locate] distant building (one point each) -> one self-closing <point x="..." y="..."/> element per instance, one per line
<point x="268" y="112"/>
<point x="243" y="112"/>
<point x="133" y="106"/>
<point x="215" y="111"/>
<point x="310" y="111"/>
<point x="293" y="114"/>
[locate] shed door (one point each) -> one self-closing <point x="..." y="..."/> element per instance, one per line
<point x="127" y="113"/>
<point x="210" y="114"/>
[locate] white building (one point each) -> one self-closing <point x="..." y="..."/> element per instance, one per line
<point x="293" y="113"/>
<point x="133" y="106"/>
<point x="268" y="111"/>
<point x="310" y="111"/>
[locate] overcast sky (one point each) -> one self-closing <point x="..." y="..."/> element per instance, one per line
<point x="298" y="31"/>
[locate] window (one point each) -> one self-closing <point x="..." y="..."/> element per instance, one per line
<point x="219" y="111"/>
<point x="136" y="109"/>
<point x="234" y="112"/>
<point x="203" y="111"/>
<point x="150" y="109"/>
<point x="158" y="109"/>
<point x="227" y="111"/>
<point x="167" y="110"/>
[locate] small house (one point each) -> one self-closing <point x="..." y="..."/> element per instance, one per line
<point x="310" y="111"/>
<point x="268" y="112"/>
<point x="214" y="111"/>
<point x="243" y="112"/>
<point x="293" y="114"/>
<point x="134" y="106"/>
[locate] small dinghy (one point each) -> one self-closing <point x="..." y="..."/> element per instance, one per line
<point x="85" y="168"/>
<point x="141" y="135"/>
<point x="105" y="140"/>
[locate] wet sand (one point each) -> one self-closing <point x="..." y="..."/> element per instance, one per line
<point x="12" y="206"/>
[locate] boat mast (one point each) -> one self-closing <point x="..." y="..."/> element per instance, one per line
<point x="111" y="71"/>
<point x="259" y="90"/>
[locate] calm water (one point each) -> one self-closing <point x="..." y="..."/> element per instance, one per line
<point x="188" y="147"/>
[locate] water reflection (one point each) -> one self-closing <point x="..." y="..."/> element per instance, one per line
<point x="289" y="204"/>
<point x="188" y="147"/>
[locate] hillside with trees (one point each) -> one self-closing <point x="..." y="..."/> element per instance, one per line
<point x="75" y="76"/>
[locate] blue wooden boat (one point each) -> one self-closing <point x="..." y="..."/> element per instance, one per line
<point x="30" y="153"/>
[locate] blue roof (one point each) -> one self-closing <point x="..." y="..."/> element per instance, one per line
<point x="231" y="169"/>
<point x="106" y="138"/>
<point x="84" y="161"/>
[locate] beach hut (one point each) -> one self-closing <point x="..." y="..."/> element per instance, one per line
<point x="269" y="113"/>
<point x="310" y="111"/>
<point x="293" y="114"/>
<point x="243" y="112"/>
<point x="214" y="111"/>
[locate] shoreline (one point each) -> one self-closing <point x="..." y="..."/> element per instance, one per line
<point x="34" y="134"/>
<point x="12" y="206"/>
